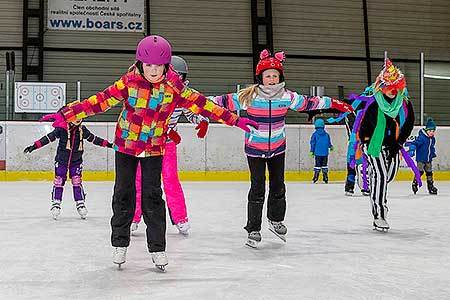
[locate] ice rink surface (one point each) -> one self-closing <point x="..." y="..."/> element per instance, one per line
<point x="332" y="252"/>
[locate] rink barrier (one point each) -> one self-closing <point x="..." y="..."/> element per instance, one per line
<point x="334" y="176"/>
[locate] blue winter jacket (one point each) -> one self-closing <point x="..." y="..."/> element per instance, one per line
<point x="320" y="142"/>
<point x="424" y="147"/>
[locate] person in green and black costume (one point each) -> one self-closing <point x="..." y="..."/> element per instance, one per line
<point x="386" y="123"/>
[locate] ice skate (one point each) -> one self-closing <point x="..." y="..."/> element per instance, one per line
<point x="349" y="188"/>
<point x="431" y="188"/>
<point x="81" y="209"/>
<point x="380" y="224"/>
<point x="119" y="255"/>
<point x="278" y="229"/>
<point x="316" y="177"/>
<point x="365" y="192"/>
<point x="183" y="227"/>
<point x="55" y="210"/>
<point x="253" y="239"/>
<point x="160" y="260"/>
<point x="325" y="177"/>
<point x="134" y="226"/>
<point x="415" y="186"/>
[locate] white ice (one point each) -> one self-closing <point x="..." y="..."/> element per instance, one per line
<point x="332" y="252"/>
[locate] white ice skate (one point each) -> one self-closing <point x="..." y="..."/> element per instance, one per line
<point x="55" y="210"/>
<point x="183" y="227"/>
<point x="253" y="239"/>
<point x="380" y="224"/>
<point x="81" y="209"/>
<point x="134" y="227"/>
<point x="119" y="255"/>
<point x="278" y="229"/>
<point x="160" y="260"/>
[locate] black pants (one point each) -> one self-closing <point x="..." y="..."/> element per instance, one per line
<point x="276" y="204"/>
<point x="124" y="201"/>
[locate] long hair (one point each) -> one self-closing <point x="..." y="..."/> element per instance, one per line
<point x="247" y="95"/>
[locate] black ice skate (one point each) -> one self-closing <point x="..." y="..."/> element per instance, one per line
<point x="431" y="188"/>
<point x="325" y="177"/>
<point x="316" y="177"/>
<point x="365" y="192"/>
<point x="349" y="188"/>
<point x="253" y="239"/>
<point x="278" y="229"/>
<point x="380" y="224"/>
<point x="415" y="186"/>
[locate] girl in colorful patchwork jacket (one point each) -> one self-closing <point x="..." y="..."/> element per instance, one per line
<point x="69" y="157"/>
<point x="176" y="202"/>
<point x="381" y="129"/>
<point x="149" y="92"/>
<point x="267" y="104"/>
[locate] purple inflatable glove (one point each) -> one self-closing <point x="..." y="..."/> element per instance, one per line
<point x="57" y="118"/>
<point x="244" y="124"/>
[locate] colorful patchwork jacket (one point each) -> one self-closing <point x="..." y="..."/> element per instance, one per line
<point x="146" y="109"/>
<point x="270" y="138"/>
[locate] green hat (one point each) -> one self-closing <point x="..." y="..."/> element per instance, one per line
<point x="431" y="125"/>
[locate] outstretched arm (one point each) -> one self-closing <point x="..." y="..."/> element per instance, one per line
<point x="310" y="103"/>
<point x="51" y="137"/>
<point x="229" y="101"/>
<point x="90" y="137"/>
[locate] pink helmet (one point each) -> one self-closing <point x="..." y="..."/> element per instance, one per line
<point x="154" y="50"/>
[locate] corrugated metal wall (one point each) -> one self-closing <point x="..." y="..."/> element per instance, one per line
<point x="215" y="38"/>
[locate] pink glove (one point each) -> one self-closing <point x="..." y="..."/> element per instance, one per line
<point x="57" y="118"/>
<point x="244" y="124"/>
<point x="202" y="129"/>
<point x="341" y="106"/>
<point x="174" y="80"/>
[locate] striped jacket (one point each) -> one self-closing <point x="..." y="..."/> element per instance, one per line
<point x="270" y="138"/>
<point x="146" y="109"/>
<point x="190" y="116"/>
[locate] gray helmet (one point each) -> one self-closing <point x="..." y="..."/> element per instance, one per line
<point x="179" y="65"/>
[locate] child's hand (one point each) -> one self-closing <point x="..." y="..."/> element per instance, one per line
<point x="245" y="124"/>
<point x="174" y="136"/>
<point x="411" y="153"/>
<point x="311" y="153"/>
<point x="30" y="149"/>
<point x="57" y="119"/>
<point x="202" y="128"/>
<point x="332" y="148"/>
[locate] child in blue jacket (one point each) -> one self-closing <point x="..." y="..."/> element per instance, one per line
<point x="320" y="143"/>
<point x="423" y="146"/>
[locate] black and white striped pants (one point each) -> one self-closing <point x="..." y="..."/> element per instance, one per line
<point x="383" y="171"/>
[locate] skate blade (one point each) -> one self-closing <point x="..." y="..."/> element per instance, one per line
<point x="380" y="229"/>
<point x="119" y="265"/>
<point x="252" y="244"/>
<point x="281" y="237"/>
<point x="161" y="268"/>
<point x="348" y="194"/>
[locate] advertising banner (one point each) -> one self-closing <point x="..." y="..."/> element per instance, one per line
<point x="96" y="15"/>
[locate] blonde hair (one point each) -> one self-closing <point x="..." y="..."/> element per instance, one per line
<point x="247" y="95"/>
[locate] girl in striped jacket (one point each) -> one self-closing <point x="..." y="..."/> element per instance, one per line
<point x="149" y="92"/>
<point x="267" y="103"/>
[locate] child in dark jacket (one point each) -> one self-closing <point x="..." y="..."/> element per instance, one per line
<point x="69" y="157"/>
<point x="320" y="143"/>
<point x="386" y="122"/>
<point x="424" y="146"/>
